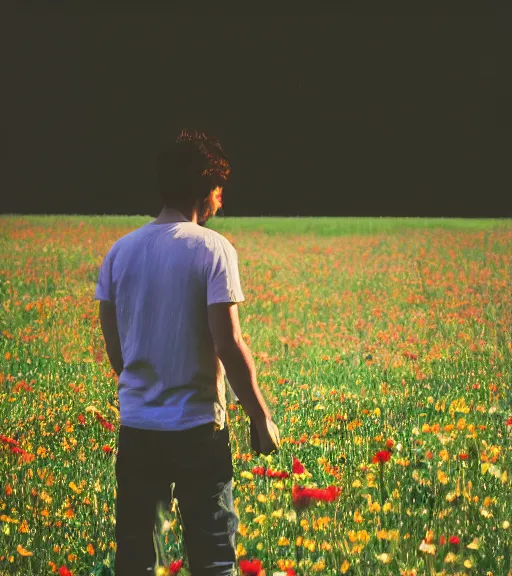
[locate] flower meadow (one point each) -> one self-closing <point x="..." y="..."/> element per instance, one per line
<point x="383" y="347"/>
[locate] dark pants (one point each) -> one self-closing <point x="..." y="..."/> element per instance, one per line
<point x="199" y="462"/>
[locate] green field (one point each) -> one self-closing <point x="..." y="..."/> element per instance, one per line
<point x="368" y="334"/>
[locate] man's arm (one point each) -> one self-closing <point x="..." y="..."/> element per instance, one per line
<point x="108" y="322"/>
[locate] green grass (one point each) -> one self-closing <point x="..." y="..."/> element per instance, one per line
<point x="363" y="331"/>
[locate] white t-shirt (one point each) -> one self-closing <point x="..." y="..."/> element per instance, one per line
<point x="161" y="278"/>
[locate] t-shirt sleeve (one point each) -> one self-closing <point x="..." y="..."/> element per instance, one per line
<point x="222" y="274"/>
<point x="104" y="290"/>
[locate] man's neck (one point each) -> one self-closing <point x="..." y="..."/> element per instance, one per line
<point x="169" y="215"/>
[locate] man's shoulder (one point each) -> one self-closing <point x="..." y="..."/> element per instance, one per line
<point x="214" y="240"/>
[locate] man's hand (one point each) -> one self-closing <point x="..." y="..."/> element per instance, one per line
<point x="265" y="437"/>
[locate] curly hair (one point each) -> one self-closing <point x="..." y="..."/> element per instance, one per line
<point x="190" y="168"/>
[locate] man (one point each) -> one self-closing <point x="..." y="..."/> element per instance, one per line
<point x="169" y="292"/>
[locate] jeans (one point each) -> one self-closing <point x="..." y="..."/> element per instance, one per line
<point x="199" y="462"/>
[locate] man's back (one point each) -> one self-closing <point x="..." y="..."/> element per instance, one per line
<point x="162" y="277"/>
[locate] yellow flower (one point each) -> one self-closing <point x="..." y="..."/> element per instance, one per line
<point x="247" y="475"/>
<point x="260" y="519"/>
<point x="385" y="558"/>
<point x="242" y="529"/>
<point x="285" y="564"/>
<point x="261" y="498"/>
<point x="352" y="535"/>
<point x="161" y="571"/>
<point x="283" y="541"/>
<point x="259" y="546"/>
<point x="318" y="566"/>
<point x="370" y="479"/>
<point x="387" y="507"/>
<point x="356" y="484"/>
<point x="345" y="566"/>
<point x="357" y="517"/>
<point x="506" y="524"/>
<point x="444" y="455"/>
<point x="240" y="550"/>
<point x="427" y="548"/>
<point x="22" y="552"/>
<point x="279" y="485"/>
<point x="450" y="557"/>
<point x="277" y="513"/>
<point x="363" y="536"/>
<point x="468" y="563"/>
<point x="473" y="545"/>
<point x="24" y="527"/>
<point x="309" y="544"/>
<point x="442" y="477"/>
<point x="326" y="546"/>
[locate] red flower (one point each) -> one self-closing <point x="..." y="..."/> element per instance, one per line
<point x="258" y="470"/>
<point x="509" y="422"/>
<point x="104" y="422"/>
<point x="8" y="440"/>
<point x="251" y="567"/>
<point x="81" y="419"/>
<point x="290" y="572"/>
<point x="63" y="571"/>
<point x="463" y="456"/>
<point x="107" y="449"/>
<point x="390" y="443"/>
<point x="175" y="566"/>
<point x="382" y="456"/>
<point x="442" y="541"/>
<point x="302" y="497"/>
<point x="454" y="540"/>
<point x="276" y="474"/>
<point x="297" y="467"/>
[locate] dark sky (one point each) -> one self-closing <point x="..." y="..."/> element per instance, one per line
<point x="332" y="109"/>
